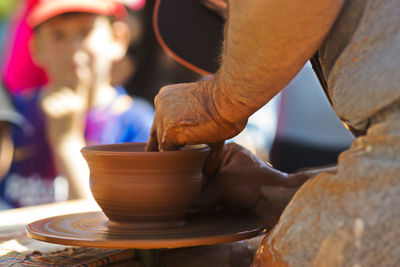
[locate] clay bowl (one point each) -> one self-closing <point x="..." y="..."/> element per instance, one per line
<point x="140" y="189"/>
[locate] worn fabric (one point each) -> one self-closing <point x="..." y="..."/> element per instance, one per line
<point x="351" y="217"/>
<point x="361" y="60"/>
<point x="32" y="176"/>
<point x="348" y="218"/>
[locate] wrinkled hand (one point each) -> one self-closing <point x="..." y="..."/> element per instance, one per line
<point x="246" y="183"/>
<point x="187" y="114"/>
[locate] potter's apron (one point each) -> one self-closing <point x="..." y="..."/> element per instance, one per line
<point x="358" y="65"/>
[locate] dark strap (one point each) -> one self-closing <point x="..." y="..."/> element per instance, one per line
<point x="316" y="65"/>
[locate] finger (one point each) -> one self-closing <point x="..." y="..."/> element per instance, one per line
<point x="152" y="143"/>
<point x="242" y="160"/>
<point x="174" y="137"/>
<point x="51" y="108"/>
<point x="167" y="143"/>
<point x="168" y="138"/>
<point x="212" y="163"/>
<point x="296" y="180"/>
<point x="67" y="101"/>
<point x="72" y="100"/>
<point x="160" y="134"/>
<point x="83" y="92"/>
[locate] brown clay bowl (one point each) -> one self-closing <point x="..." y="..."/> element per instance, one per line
<point x="140" y="189"/>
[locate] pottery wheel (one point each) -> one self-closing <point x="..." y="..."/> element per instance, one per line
<point x="90" y="230"/>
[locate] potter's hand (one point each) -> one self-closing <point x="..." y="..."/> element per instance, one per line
<point x="246" y="183"/>
<point x="188" y="114"/>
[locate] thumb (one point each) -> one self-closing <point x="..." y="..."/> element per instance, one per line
<point x="213" y="161"/>
<point x="152" y="143"/>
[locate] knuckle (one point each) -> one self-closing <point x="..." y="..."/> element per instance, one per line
<point x="161" y="94"/>
<point x="156" y="99"/>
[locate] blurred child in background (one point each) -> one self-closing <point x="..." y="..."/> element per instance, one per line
<point x="76" y="43"/>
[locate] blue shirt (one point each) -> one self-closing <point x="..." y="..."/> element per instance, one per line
<point x="32" y="176"/>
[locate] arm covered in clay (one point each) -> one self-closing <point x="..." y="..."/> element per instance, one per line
<point x="266" y="44"/>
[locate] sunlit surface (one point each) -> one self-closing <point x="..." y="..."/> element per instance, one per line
<point x="22" y="216"/>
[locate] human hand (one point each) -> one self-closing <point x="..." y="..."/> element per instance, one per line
<point x="246" y="183"/>
<point x="187" y="114"/>
<point x="64" y="110"/>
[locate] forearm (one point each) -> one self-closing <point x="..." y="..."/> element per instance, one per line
<point x="266" y="43"/>
<point x="71" y="164"/>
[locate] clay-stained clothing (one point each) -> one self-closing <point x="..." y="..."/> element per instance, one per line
<point x="360" y="59"/>
<point x="347" y="218"/>
<point x="352" y="217"/>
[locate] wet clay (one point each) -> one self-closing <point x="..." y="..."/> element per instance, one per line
<point x="139" y="189"/>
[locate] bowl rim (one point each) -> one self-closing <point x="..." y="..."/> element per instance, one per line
<point x="97" y="150"/>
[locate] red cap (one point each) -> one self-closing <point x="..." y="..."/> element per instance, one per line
<point x="47" y="9"/>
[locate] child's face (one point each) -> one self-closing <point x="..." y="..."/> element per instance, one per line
<point x="76" y="49"/>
